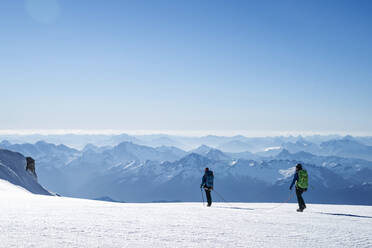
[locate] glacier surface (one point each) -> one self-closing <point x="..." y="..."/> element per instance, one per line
<point x="30" y="220"/>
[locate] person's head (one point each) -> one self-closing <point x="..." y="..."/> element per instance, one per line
<point x="206" y="169"/>
<point x="298" y="167"/>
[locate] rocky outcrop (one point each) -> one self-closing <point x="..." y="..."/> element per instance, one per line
<point x="30" y="165"/>
<point x="12" y="169"/>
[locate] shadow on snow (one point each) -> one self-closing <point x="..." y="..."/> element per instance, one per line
<point x="347" y="215"/>
<point x="236" y="208"/>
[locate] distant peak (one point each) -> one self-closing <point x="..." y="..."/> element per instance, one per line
<point x="194" y="157"/>
<point x="89" y="146"/>
<point x="202" y="149"/>
<point x="41" y="142"/>
<point x="125" y="143"/>
<point x="205" y="146"/>
<point x="213" y="150"/>
<point x="5" y="143"/>
<point x="283" y="153"/>
<point x="349" y="137"/>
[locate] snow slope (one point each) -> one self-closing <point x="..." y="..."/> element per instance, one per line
<point x="28" y="220"/>
<point x="13" y="169"/>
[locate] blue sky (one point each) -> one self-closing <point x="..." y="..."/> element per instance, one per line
<point x="239" y="66"/>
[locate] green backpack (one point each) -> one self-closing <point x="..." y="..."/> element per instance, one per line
<point x="302" y="181"/>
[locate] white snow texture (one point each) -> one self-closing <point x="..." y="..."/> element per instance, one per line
<point x="30" y="220"/>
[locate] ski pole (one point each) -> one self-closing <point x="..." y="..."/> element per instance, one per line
<point x="201" y="191"/>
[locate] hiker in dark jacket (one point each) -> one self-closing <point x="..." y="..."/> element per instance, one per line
<point x="301" y="180"/>
<point x="207" y="184"/>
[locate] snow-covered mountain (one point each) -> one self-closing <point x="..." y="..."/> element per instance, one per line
<point x="242" y="180"/>
<point x="43" y="149"/>
<point x="147" y="181"/>
<point x="50" y="158"/>
<point x="58" y="164"/>
<point x="236" y="146"/>
<point x="356" y="170"/>
<point x="244" y="155"/>
<point x="215" y="154"/>
<point x="211" y="153"/>
<point x="202" y="150"/>
<point x="132" y="172"/>
<point x="172" y="151"/>
<point x="348" y="147"/>
<point x="302" y="145"/>
<point x="127" y="151"/>
<point x="13" y="169"/>
<point x="95" y="148"/>
<point x="160" y="140"/>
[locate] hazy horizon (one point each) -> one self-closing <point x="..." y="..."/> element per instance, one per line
<point x="190" y="133"/>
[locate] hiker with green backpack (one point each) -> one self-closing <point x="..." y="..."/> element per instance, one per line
<point x="301" y="180"/>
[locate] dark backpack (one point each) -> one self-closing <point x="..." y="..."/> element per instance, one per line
<point x="209" y="179"/>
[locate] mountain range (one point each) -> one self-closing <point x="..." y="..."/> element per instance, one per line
<point x="137" y="173"/>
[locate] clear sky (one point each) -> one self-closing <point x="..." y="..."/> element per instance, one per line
<point x="256" y="66"/>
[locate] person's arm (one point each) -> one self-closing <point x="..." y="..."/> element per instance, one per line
<point x="203" y="181"/>
<point x="295" y="178"/>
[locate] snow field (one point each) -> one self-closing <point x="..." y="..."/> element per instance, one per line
<point x="28" y="220"/>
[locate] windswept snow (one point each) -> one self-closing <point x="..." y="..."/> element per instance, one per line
<point x="288" y="172"/>
<point x="272" y="148"/>
<point x="28" y="220"/>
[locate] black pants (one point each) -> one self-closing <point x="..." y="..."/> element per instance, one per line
<point x="208" y="194"/>
<point x="301" y="202"/>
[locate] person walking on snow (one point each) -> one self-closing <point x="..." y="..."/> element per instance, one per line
<point x="301" y="180"/>
<point x="207" y="183"/>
